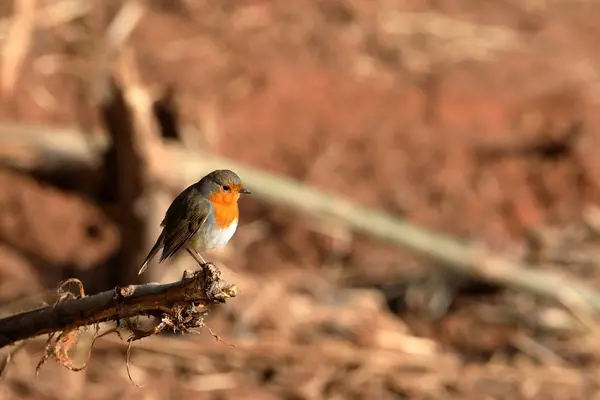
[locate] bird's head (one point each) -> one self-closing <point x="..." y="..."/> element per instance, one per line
<point x="223" y="187"/>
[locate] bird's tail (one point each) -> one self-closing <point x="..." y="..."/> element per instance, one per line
<point x="152" y="253"/>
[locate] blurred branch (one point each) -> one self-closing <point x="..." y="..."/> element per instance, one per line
<point x="136" y="155"/>
<point x="183" y="303"/>
<point x="336" y="352"/>
<point x="51" y="15"/>
<point x="17" y="46"/>
<point x="46" y="148"/>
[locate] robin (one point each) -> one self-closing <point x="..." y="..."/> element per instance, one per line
<point x="203" y="217"/>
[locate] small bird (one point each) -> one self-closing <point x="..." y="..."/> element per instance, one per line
<point x="203" y="217"/>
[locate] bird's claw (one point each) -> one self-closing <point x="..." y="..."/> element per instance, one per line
<point x="212" y="283"/>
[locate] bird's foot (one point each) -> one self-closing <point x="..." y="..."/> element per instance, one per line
<point x="212" y="283"/>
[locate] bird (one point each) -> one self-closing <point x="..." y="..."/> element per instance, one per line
<point x="204" y="216"/>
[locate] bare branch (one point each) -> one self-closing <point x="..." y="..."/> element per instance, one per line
<point x="182" y="304"/>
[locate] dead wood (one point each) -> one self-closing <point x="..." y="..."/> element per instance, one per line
<point x="180" y="305"/>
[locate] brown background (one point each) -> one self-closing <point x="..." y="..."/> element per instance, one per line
<point x="475" y="118"/>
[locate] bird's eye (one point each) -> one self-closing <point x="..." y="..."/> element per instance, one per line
<point x="226" y="188"/>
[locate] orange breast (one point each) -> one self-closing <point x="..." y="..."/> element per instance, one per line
<point x="225" y="207"/>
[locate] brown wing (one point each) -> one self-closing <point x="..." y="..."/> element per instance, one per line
<point x="183" y="219"/>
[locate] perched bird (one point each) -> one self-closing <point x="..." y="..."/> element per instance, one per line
<point x="203" y="217"/>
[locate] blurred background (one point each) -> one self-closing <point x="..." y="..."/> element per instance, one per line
<point x="478" y="119"/>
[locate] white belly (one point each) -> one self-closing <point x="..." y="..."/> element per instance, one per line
<point x="217" y="238"/>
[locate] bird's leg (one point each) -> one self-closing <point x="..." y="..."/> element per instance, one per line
<point x="199" y="259"/>
<point x="212" y="289"/>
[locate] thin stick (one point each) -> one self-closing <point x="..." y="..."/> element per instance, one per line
<point x="17" y="46"/>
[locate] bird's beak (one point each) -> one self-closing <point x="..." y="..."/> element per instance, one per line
<point x="244" y="191"/>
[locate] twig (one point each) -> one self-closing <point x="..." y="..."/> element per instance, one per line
<point x="5" y="362"/>
<point x="51" y="15"/>
<point x="335" y="352"/>
<point x="183" y="302"/>
<point x="18" y="44"/>
<point x="124" y="23"/>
